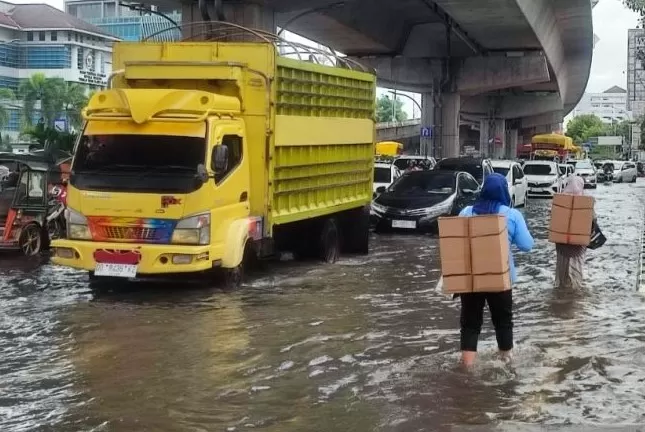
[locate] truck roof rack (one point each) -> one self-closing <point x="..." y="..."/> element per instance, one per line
<point x="219" y="31"/>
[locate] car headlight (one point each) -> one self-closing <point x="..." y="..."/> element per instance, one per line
<point x="194" y="230"/>
<point x="441" y="208"/>
<point x="378" y="208"/>
<point x="77" y="228"/>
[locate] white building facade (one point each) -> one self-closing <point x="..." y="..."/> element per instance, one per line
<point x="38" y="38"/>
<point x="610" y="105"/>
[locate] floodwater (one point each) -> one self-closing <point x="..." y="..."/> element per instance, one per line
<point x="364" y="345"/>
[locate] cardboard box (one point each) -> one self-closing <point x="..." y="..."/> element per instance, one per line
<point x="474" y="254"/>
<point x="571" y="219"/>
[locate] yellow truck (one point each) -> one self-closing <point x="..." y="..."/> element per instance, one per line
<point x="201" y="154"/>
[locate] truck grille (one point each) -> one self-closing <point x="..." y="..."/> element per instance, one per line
<point x="131" y="230"/>
<point x="128" y="233"/>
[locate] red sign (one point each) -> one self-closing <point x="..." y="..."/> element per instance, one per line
<point x="168" y="200"/>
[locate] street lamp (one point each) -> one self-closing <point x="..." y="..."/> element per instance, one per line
<point x="409" y="97"/>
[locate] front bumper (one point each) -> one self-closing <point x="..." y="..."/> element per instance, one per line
<point x="154" y="259"/>
<point x="387" y="221"/>
<point x="590" y="181"/>
<point x="545" y="192"/>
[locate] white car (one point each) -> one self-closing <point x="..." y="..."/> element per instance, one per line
<point x="625" y="172"/>
<point x="585" y="169"/>
<point x="543" y="177"/>
<point x="384" y="176"/>
<point x="518" y="185"/>
<point x="567" y="171"/>
<point x="402" y="162"/>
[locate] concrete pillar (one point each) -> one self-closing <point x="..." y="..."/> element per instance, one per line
<point x="450" y="106"/>
<point x="492" y="132"/>
<point x="511" y="143"/>
<point x="426" y="146"/>
<point x="244" y="13"/>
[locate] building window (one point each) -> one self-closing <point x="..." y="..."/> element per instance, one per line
<point x="41" y="36"/>
<point x="30" y="36"/>
<point x="54" y="36"/>
<point x="69" y="36"/>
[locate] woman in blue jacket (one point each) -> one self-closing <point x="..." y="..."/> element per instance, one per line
<point x="493" y="199"/>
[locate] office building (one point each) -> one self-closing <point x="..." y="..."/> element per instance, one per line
<point x="127" y="22"/>
<point x="610" y="105"/>
<point x="38" y="38"/>
<point x="635" y="72"/>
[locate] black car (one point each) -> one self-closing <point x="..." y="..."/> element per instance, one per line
<point x="476" y="167"/>
<point x="417" y="199"/>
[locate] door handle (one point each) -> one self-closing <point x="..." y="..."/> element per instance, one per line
<point x="244" y="196"/>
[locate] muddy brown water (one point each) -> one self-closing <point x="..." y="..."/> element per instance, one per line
<point x="364" y="345"/>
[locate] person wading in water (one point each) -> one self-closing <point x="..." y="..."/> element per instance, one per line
<point x="494" y="199"/>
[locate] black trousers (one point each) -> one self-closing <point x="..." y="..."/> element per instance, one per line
<point x="500" y="305"/>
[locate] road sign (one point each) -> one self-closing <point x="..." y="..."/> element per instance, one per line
<point x="60" y="124"/>
<point x="426" y="132"/>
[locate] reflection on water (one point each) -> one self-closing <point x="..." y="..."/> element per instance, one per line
<point x="367" y="344"/>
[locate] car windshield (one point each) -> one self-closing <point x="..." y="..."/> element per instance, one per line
<point x="583" y="165"/>
<point x="424" y="182"/>
<point x="474" y="169"/>
<point x="538" y="169"/>
<point x="502" y="171"/>
<point x="382" y="175"/>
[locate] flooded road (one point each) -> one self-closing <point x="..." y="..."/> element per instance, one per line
<point x="364" y="345"/>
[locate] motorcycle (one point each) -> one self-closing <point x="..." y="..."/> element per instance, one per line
<point x="55" y="221"/>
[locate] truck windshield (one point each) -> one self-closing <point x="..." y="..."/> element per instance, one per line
<point x="144" y="163"/>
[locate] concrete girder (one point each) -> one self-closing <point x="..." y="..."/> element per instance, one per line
<point x="541" y="119"/>
<point x="484" y="74"/>
<point x="558" y="26"/>
<point x="473" y="75"/>
<point x="513" y="106"/>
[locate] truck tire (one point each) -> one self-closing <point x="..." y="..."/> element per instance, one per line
<point x="329" y="242"/>
<point x="234" y="277"/>
<point x="356" y="231"/>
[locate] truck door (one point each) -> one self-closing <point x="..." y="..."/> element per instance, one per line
<point x="230" y="185"/>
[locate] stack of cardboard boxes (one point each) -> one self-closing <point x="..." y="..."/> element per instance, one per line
<point x="474" y="254"/>
<point x="571" y="219"/>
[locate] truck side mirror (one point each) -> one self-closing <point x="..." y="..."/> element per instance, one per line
<point x="380" y="189"/>
<point x="219" y="160"/>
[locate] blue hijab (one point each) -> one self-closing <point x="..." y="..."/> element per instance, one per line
<point x="494" y="194"/>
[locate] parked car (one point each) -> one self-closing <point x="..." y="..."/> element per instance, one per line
<point x="518" y="185"/>
<point x="543" y="177"/>
<point x="625" y="172"/>
<point x="586" y="169"/>
<point x="425" y="162"/>
<point x="478" y="168"/>
<point x="566" y="172"/>
<point x="417" y="199"/>
<point x="384" y="175"/>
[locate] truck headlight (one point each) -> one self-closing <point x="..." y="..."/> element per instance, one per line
<point x="77" y="228"/>
<point x="194" y="230"/>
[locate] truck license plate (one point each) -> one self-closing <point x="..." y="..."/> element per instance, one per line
<point x="404" y="224"/>
<point x="115" y="270"/>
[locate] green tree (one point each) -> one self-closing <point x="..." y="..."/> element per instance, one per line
<point x="5" y="95"/>
<point x="585" y="126"/>
<point x="48" y="91"/>
<point x="385" y="106"/>
<point x="74" y="99"/>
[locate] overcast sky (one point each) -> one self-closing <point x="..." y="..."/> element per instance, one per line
<point x="611" y="22"/>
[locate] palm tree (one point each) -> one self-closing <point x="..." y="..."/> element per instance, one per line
<point x="49" y="91"/>
<point x="5" y="94"/>
<point x="74" y="100"/>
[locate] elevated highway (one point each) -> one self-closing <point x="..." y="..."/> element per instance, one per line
<point x="517" y="65"/>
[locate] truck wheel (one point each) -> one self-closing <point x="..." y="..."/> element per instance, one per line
<point x="31" y="240"/>
<point x="356" y="230"/>
<point x="234" y="277"/>
<point x="329" y="245"/>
